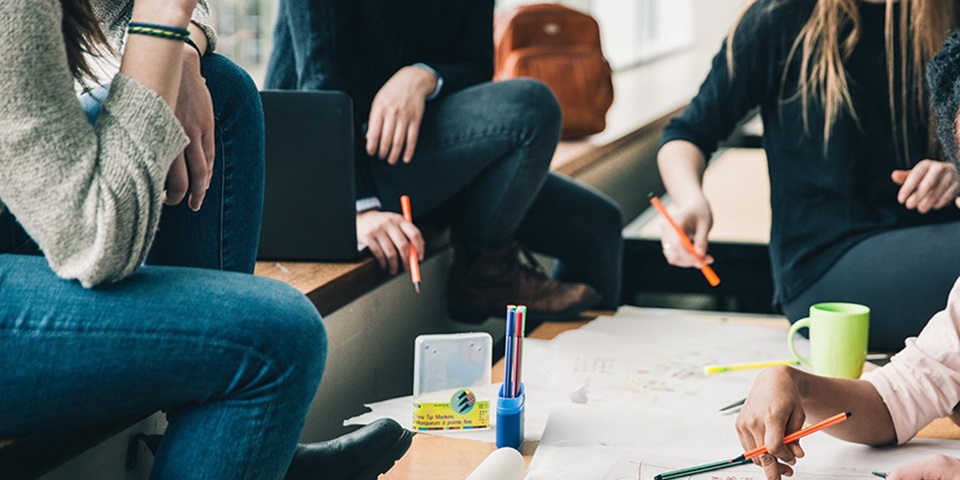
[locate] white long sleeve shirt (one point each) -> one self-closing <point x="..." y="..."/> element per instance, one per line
<point x="922" y="382"/>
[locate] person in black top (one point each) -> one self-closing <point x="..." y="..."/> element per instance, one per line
<point x="863" y="208"/>
<point x="430" y="124"/>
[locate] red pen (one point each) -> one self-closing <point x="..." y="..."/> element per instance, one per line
<point x="414" y="261"/>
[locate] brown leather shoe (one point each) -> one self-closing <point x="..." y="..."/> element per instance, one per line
<point x="507" y="276"/>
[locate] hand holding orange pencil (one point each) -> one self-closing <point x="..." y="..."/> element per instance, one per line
<point x="748" y="456"/>
<point x="803" y="432"/>
<point x="708" y="272"/>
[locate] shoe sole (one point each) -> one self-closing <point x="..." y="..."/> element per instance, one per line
<point x="568" y="314"/>
<point x="394" y="453"/>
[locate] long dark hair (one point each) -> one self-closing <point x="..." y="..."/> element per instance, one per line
<point x="83" y="37"/>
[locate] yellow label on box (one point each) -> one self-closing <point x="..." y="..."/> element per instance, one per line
<point x="462" y="412"/>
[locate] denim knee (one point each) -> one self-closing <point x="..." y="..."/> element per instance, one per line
<point x="534" y="102"/>
<point x="289" y="330"/>
<point x="607" y="213"/>
<point x="233" y="91"/>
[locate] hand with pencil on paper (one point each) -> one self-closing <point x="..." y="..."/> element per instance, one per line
<point x="782" y="399"/>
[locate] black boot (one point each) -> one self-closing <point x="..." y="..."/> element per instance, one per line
<point x="482" y="287"/>
<point x="360" y="455"/>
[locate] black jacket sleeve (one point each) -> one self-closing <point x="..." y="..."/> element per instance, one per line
<point x="317" y="32"/>
<point x="475" y="49"/>
<point x="725" y="99"/>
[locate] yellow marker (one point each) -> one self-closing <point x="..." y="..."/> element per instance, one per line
<point x="709" y="369"/>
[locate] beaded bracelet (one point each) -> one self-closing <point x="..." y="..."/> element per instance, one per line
<point x="161" y="31"/>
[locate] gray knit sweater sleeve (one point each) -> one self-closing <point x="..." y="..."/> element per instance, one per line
<point x="114" y="15"/>
<point x="90" y="196"/>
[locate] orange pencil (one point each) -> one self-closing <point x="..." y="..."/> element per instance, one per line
<point x="803" y="432"/>
<point x="708" y="272"/>
<point x="414" y="261"/>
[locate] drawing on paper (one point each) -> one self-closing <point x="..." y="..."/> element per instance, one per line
<point x="611" y="381"/>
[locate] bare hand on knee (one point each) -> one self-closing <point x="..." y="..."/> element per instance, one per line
<point x="929" y="185"/>
<point x="396" y="113"/>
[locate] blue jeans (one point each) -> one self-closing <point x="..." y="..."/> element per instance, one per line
<point x="233" y="359"/>
<point x="225" y="233"/>
<point x="485" y="151"/>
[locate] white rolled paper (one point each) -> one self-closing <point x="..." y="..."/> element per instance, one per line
<point x="502" y="464"/>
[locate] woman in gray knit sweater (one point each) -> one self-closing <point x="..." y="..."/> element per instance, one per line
<point x="233" y="359"/>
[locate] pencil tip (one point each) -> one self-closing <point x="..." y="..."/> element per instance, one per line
<point x="849" y="414"/>
<point x="650" y="195"/>
<point x="417" y="287"/>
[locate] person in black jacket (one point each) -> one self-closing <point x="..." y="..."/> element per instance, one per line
<point x="862" y="201"/>
<point x="430" y="124"/>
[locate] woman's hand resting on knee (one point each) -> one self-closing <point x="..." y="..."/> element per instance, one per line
<point x="389" y="237"/>
<point x="396" y="113"/>
<point x="160" y="65"/>
<point x="192" y="170"/>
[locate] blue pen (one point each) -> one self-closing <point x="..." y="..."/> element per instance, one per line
<point x="510" y="354"/>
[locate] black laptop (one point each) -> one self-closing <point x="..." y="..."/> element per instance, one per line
<point x="309" y="211"/>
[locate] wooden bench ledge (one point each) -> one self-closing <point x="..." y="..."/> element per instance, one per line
<point x="332" y="285"/>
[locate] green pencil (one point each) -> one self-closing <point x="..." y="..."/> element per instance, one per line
<point x="707" y="467"/>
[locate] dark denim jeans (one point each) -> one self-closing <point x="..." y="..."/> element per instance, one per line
<point x="233" y="359"/>
<point x="487" y="150"/>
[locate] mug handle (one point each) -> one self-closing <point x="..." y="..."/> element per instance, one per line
<point x="802" y="323"/>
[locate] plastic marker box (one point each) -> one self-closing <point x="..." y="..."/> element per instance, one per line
<point x="451" y="381"/>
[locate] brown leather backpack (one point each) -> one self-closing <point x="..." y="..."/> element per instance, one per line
<point x="560" y="47"/>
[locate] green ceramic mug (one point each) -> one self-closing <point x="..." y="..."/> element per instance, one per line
<point x="838" y="339"/>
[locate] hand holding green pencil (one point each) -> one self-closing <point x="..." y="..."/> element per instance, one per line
<point x="747" y="457"/>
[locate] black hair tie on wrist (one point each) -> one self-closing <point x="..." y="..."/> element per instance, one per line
<point x="193" y="44"/>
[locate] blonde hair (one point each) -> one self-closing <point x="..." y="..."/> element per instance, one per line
<point x="823" y="46"/>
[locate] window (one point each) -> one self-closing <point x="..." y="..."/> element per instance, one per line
<point x="245" y="32"/>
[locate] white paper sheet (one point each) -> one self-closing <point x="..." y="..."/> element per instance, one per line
<point x="645" y="401"/>
<point x="600" y="443"/>
<point x="653" y="357"/>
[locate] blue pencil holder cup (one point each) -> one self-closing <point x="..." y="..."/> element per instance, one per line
<point x="510" y="420"/>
